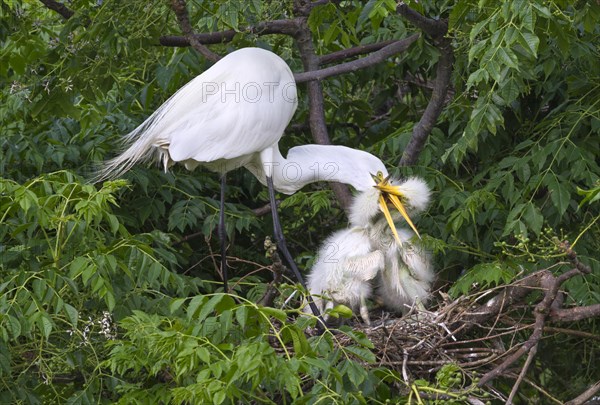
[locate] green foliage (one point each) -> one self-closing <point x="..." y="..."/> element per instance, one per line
<point x="483" y="276"/>
<point x="211" y="349"/>
<point x="107" y="291"/>
<point x="67" y="264"/>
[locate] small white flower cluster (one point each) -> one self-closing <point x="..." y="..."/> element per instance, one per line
<point x="108" y="329"/>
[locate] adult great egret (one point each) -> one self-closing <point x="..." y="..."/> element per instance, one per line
<point x="371" y="250"/>
<point x="233" y="115"/>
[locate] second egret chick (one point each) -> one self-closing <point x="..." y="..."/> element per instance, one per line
<point x="407" y="275"/>
<point x="345" y="267"/>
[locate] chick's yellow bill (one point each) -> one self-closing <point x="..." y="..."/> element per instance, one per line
<point x="391" y="193"/>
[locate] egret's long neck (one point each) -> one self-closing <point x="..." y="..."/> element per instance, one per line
<point x="310" y="163"/>
<point x="301" y="168"/>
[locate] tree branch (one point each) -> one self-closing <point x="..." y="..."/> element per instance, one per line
<point x="433" y="28"/>
<point x="286" y="27"/>
<point x="550" y="285"/>
<point x="373" y="59"/>
<point x="60" y="8"/>
<point x="587" y="394"/>
<point x="354" y="51"/>
<point x="278" y="269"/>
<point x="434" y="108"/>
<point x="180" y="9"/>
<point x="316" y="102"/>
<point x="264" y="210"/>
<point x="574" y="314"/>
<point x="436" y="29"/>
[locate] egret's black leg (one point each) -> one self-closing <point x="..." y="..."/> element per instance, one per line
<point x="223" y="234"/>
<point x="278" y="233"/>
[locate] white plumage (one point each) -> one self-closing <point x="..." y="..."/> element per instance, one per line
<point x="368" y="252"/>
<point x="343" y="272"/>
<point x="222" y="119"/>
<point x="407" y="273"/>
<point x="233" y="115"/>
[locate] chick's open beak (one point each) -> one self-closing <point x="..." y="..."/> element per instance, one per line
<point x="391" y="193"/>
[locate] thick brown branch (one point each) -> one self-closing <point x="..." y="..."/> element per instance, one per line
<point x="550" y="285"/>
<point x="574" y="314"/>
<point x="60" y="8"/>
<point x="287" y="27"/>
<point x="585" y="396"/>
<point x="435" y="106"/>
<point x="572" y="256"/>
<point x="373" y="59"/>
<point x="354" y="51"/>
<point x="436" y="29"/>
<point x="433" y="28"/>
<point x="264" y="210"/>
<point x="316" y="102"/>
<point x="180" y="9"/>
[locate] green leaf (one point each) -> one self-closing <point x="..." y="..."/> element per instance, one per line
<point x="114" y="223"/>
<point x="241" y="315"/>
<point x="72" y="314"/>
<point x="510" y="90"/>
<point x="530" y="42"/>
<point x="480" y="75"/>
<point x="109" y="299"/>
<point x="534" y="218"/>
<point x="508" y="57"/>
<point x="360" y="338"/>
<point x="494" y="69"/>
<point x="477" y="29"/>
<point x="219" y="397"/>
<point x="13" y="326"/>
<point x="356" y="373"/>
<point x="591" y="196"/>
<point x="175" y="304"/>
<point x="475" y="50"/>
<point x="542" y="11"/>
<point x="274" y="312"/>
<point x="482" y="276"/>
<point x="301" y="346"/>
<point x="511" y="35"/>
<point x="559" y="194"/>
<point x="44" y="323"/>
<point x="194" y="304"/>
<point x="320" y="364"/>
<point x="209" y="307"/>
<point x="203" y="354"/>
<point x="362" y="353"/>
<point x="340" y="310"/>
<point x="77" y="266"/>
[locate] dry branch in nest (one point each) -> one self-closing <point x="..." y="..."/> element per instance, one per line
<point x="468" y="331"/>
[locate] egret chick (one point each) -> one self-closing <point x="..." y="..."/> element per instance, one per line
<point x="407" y="274"/>
<point x="351" y="259"/>
<point x="345" y="267"/>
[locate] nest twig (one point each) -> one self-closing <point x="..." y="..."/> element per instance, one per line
<point x="467" y="331"/>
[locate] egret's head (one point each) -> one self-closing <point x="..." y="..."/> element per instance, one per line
<point x="411" y="195"/>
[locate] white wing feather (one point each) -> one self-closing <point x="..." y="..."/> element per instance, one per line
<point x="240" y="106"/>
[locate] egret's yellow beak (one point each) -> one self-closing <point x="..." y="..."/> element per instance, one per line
<point x="391" y="193"/>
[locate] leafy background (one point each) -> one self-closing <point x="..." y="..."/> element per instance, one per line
<point x="109" y="293"/>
